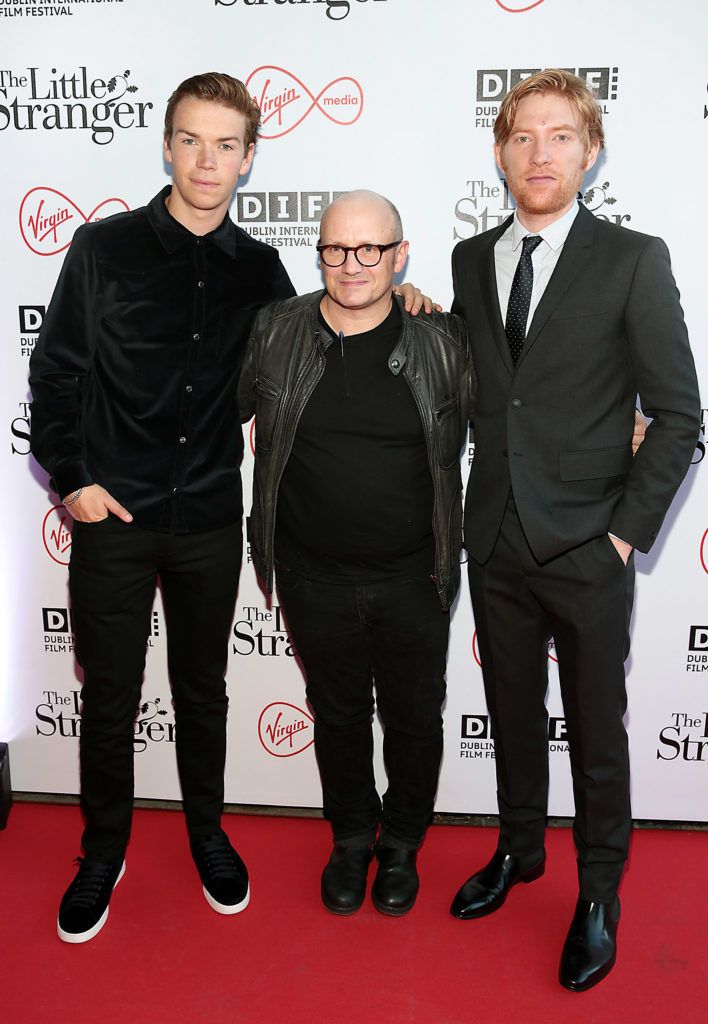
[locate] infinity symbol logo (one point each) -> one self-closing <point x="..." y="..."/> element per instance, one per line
<point x="48" y="219"/>
<point x="285" y="101"/>
<point x="517" y="7"/>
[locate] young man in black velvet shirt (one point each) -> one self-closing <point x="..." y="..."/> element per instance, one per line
<point x="134" y="416"/>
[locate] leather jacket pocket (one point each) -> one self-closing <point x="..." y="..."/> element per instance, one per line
<point x="268" y="402"/>
<point x="446" y="419"/>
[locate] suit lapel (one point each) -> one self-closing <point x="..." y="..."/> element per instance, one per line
<point x="576" y="252"/>
<point x="490" y="294"/>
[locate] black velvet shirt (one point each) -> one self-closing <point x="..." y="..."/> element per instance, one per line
<point x="133" y="377"/>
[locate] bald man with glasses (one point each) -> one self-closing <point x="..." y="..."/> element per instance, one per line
<point x="361" y="412"/>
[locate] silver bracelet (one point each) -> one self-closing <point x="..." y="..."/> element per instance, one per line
<point x="74" y="497"/>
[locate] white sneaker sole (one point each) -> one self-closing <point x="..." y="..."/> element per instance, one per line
<point x="76" y="937"/>
<point x="227" y="908"/>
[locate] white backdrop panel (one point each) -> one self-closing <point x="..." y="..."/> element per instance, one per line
<point x="395" y="95"/>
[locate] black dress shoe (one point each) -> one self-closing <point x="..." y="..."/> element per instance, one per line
<point x="396" y="884"/>
<point x="486" y="891"/>
<point x="344" y="878"/>
<point x="590" y="947"/>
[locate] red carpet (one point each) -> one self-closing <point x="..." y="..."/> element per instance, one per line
<point x="165" y="956"/>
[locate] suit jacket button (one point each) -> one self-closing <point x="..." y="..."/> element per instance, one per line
<point x="505" y="453"/>
<point x="516" y="403"/>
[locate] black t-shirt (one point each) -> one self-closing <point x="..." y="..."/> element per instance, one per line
<point x="356" y="498"/>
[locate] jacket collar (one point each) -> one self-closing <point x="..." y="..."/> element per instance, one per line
<point x="325" y="337"/>
<point x="576" y="251"/>
<point x="173" y="235"/>
<point x="572" y="260"/>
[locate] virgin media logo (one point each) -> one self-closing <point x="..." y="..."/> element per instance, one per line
<point x="48" y="219"/>
<point x="285" y="729"/>
<point x="518" y="6"/>
<point x="56" y="534"/>
<point x="704" y="551"/>
<point x="285" y="101"/>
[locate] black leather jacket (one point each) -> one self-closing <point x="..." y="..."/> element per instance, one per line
<point x="284" y="361"/>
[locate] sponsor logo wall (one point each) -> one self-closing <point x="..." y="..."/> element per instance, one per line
<point x="82" y="94"/>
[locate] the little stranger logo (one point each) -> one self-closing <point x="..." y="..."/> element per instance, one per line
<point x="34" y="99"/>
<point x="56" y="534"/>
<point x="48" y="218"/>
<point x="285" y="729"/>
<point x="285" y="101"/>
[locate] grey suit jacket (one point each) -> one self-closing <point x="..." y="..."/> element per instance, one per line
<point x="557" y="428"/>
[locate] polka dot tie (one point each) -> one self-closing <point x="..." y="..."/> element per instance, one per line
<point x="520" y="298"/>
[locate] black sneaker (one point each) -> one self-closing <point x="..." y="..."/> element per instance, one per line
<point x="84" y="909"/>
<point x="223" y="873"/>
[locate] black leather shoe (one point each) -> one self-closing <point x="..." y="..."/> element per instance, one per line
<point x="344" y="878"/>
<point x="590" y="947"/>
<point x="486" y="891"/>
<point x="396" y="884"/>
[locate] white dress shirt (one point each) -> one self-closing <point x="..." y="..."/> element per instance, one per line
<point x="507" y="253"/>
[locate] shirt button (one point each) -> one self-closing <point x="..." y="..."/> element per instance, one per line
<point x="195" y="337"/>
<point x="200" y="284"/>
<point x="516" y="403"/>
<point x="395" y="363"/>
<point x="188" y="389"/>
<point x="183" y="440"/>
<point x="174" y="490"/>
<point x="199" y="241"/>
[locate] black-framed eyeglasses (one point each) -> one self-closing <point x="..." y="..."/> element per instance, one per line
<point x="368" y="255"/>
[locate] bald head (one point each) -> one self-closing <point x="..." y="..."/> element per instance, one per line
<point x="358" y="229"/>
<point x="376" y="208"/>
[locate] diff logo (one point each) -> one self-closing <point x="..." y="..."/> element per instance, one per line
<point x="476" y="741"/>
<point x="58" y="631"/>
<point x="56" y="534"/>
<point x="48" y="219"/>
<point x="494" y="83"/>
<point x="285" y="101"/>
<point x="283" y="219"/>
<point x="285" y="729"/>
<point x="697" y="660"/>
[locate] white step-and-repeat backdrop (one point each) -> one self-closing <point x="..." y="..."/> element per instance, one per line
<point x="395" y="95"/>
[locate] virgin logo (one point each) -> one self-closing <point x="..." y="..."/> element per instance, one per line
<point x="48" y="219"/>
<point x="518" y="6"/>
<point x="285" y="729"/>
<point x="285" y="101"/>
<point x="56" y="534"/>
<point x="704" y="552"/>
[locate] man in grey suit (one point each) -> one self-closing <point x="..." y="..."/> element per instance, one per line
<point x="570" y="318"/>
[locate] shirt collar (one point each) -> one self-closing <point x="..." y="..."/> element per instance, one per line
<point x="172" y="234"/>
<point x="553" y="234"/>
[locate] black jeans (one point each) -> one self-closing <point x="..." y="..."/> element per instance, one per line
<point x="113" y="573"/>
<point x="351" y="638"/>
